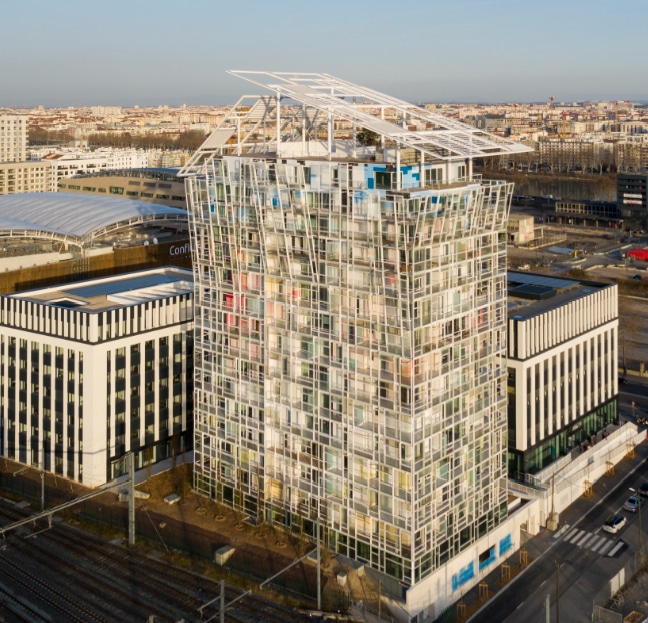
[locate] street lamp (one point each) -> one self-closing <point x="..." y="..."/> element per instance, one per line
<point x="639" y="502"/>
<point x="557" y="591"/>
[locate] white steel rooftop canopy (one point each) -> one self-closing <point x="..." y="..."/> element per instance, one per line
<point x="261" y="126"/>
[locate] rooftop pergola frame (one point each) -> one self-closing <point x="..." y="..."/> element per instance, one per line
<point x="307" y="107"/>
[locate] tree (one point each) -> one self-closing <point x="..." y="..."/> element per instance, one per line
<point x="367" y="137"/>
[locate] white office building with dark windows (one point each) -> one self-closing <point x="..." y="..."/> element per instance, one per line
<point x="562" y="367"/>
<point x="93" y="370"/>
<point x="350" y="276"/>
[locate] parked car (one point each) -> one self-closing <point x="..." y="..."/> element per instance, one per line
<point x="643" y="490"/>
<point x="632" y="503"/>
<point x="614" y="523"/>
<point x="637" y="277"/>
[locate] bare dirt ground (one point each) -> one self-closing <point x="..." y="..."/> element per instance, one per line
<point x="264" y="544"/>
<point x="195" y="521"/>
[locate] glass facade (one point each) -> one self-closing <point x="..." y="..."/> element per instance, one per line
<point x="349" y="357"/>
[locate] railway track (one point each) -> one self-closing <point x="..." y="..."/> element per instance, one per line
<point x="64" y="574"/>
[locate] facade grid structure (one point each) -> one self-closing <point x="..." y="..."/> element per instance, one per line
<point x="351" y="328"/>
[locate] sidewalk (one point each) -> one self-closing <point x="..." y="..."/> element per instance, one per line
<point x="541" y="544"/>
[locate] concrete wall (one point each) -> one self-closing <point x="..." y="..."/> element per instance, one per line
<point x="429" y="598"/>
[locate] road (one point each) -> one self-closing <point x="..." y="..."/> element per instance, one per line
<point x="633" y="398"/>
<point x="586" y="556"/>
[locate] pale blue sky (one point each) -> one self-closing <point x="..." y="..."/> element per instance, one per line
<point x="145" y="52"/>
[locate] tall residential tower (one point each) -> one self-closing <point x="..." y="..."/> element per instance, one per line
<point x="350" y="318"/>
<point x="13" y="138"/>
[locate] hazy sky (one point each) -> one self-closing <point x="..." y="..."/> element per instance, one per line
<point x="145" y="52"/>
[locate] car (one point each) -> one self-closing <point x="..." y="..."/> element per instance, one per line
<point x="643" y="490"/>
<point x="632" y="504"/>
<point x="614" y="523"/>
<point x="637" y="277"/>
<point x="623" y="380"/>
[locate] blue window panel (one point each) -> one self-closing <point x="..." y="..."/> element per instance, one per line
<point x="359" y="196"/>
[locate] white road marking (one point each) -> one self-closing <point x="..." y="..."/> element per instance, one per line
<point x="616" y="548"/>
<point x="574" y="535"/>
<point x="598" y="543"/>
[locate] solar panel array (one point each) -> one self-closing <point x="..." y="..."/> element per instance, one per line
<point x="124" y="285"/>
<point x="556" y="283"/>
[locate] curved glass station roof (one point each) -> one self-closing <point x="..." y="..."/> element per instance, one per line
<point x="76" y="218"/>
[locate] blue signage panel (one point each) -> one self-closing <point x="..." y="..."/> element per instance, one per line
<point x="505" y="544"/>
<point x="465" y="574"/>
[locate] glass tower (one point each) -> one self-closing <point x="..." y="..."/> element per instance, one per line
<point x="350" y="322"/>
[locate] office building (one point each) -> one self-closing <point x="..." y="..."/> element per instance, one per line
<point x="603" y="214"/>
<point x="51" y="238"/>
<point x="69" y="163"/>
<point x="631" y="194"/>
<point x="161" y="186"/>
<point x="351" y="329"/>
<point x="562" y="367"/>
<point x="93" y="370"/>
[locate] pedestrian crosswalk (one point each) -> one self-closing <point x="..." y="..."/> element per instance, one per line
<point x="581" y="538"/>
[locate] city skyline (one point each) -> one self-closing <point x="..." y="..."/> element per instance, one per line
<point x="145" y="53"/>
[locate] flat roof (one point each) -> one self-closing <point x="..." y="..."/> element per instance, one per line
<point x="96" y="295"/>
<point x="533" y="294"/>
<point x="536" y="279"/>
<point x="122" y="285"/>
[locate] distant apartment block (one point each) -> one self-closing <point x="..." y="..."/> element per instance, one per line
<point x="562" y="366"/>
<point x="13" y="138"/>
<point x="45" y="174"/>
<point x="26" y="177"/>
<point x="96" y="369"/>
<point x="161" y="186"/>
<point x="106" y="111"/>
<point x="68" y="164"/>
